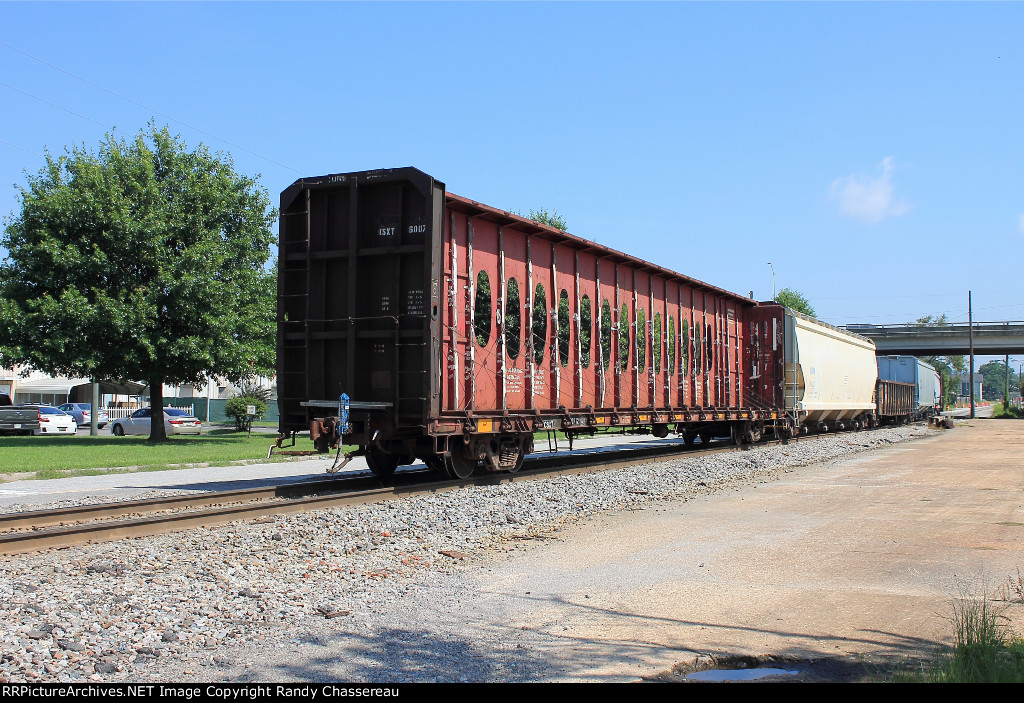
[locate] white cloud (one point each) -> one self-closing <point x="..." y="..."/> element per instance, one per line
<point x="867" y="198"/>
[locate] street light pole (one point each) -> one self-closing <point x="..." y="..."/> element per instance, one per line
<point x="773" y="280"/>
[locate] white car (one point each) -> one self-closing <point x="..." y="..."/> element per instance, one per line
<point x="54" y="421"/>
<point x="140" y="422"/>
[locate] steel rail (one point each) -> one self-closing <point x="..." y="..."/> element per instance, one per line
<point x="32" y="519"/>
<point x="259" y="505"/>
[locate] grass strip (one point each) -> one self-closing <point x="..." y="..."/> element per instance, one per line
<point x="53" y="457"/>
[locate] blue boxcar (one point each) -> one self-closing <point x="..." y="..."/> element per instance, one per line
<point x="910" y="369"/>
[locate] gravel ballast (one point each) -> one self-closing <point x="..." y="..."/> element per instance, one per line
<point x="183" y="606"/>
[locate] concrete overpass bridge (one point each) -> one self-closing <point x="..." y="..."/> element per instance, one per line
<point x="990" y="338"/>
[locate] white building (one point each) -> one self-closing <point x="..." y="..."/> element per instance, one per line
<point x="24" y="385"/>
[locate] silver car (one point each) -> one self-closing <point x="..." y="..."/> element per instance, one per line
<point x="140" y="422"/>
<point x="82" y="412"/>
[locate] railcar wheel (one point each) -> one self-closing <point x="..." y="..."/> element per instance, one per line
<point x="736" y="433"/>
<point x="689" y="438"/>
<point x="705" y="437"/>
<point x="459" y="464"/>
<point x="433" y="462"/>
<point x="381" y="464"/>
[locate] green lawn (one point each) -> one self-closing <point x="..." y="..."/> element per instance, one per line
<point x="52" y="457"/>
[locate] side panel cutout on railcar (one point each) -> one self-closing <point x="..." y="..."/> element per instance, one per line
<point x="623" y="328"/>
<point x="606" y="334"/>
<point x="482" y="309"/>
<point x="586" y="329"/>
<point x="513" y="319"/>
<point x="563" y="328"/>
<point x="540" y="323"/>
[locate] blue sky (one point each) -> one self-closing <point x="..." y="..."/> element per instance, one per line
<point x="872" y="152"/>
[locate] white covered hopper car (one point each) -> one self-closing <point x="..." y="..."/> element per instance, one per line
<point x="829" y="377"/>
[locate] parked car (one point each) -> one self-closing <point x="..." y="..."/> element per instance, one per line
<point x="82" y="413"/>
<point x="54" y="421"/>
<point x="176" y="421"/>
<point x="17" y="419"/>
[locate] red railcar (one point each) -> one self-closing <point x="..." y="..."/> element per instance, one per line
<point x="456" y="330"/>
<point x="895" y="401"/>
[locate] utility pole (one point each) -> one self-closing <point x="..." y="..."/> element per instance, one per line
<point x="1006" y="391"/>
<point x="773" y="281"/>
<point x="970" y="327"/>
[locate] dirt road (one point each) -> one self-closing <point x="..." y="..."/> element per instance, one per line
<point x="854" y="564"/>
<point x="859" y="559"/>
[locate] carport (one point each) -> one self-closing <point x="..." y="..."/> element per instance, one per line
<point x="60" y="390"/>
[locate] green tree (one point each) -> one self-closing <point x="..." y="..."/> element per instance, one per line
<point x="551" y="219"/>
<point x="794" y="300"/>
<point x="141" y="261"/>
<point x="995" y="376"/>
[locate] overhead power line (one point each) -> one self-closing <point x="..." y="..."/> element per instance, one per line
<point x="59" y="107"/>
<point x="144" y="107"/>
<point x="20" y="147"/>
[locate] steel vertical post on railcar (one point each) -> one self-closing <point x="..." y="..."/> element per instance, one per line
<point x="502" y="351"/>
<point x="600" y="332"/>
<point x="635" y="326"/>
<point x="556" y="358"/>
<point x="353" y="246"/>
<point x="652" y="390"/>
<point x="453" y="362"/>
<point x="705" y="362"/>
<point x="679" y="342"/>
<point x="616" y="343"/>
<point x="396" y="289"/>
<point x="578" y="320"/>
<point x="471" y="317"/>
<point x="665" y="346"/>
<point x="720" y="361"/>
<point x="529" y="324"/>
<point x="305" y="320"/>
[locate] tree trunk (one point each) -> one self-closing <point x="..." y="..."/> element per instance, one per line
<point x="157" y="431"/>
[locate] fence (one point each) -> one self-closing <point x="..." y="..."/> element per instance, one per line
<point x="198" y="407"/>
<point x="121" y="413"/>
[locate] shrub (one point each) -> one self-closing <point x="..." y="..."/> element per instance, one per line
<point x="236" y="408"/>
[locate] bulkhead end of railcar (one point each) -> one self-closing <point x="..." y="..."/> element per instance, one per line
<point x="358" y="310"/>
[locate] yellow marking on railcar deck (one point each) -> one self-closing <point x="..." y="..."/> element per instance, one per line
<point x="484" y="425"/>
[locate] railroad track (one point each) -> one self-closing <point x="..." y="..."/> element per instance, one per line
<point x="61" y="527"/>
